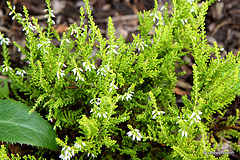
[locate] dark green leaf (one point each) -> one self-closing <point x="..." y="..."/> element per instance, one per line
<point x="18" y="126"/>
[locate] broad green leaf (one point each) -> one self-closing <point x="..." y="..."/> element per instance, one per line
<point x="18" y="126"/>
<point x="4" y="90"/>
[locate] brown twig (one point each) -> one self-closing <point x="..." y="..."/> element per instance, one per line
<point x="221" y="25"/>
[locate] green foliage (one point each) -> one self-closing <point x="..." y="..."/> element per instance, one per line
<point x="4" y="90"/>
<point x="18" y="126"/>
<point x="126" y="105"/>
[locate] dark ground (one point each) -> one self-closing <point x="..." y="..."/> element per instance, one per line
<point x="222" y="26"/>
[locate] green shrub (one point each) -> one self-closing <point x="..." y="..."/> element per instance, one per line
<point x="126" y="106"/>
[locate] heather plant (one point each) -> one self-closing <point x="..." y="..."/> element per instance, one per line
<point x="125" y="106"/>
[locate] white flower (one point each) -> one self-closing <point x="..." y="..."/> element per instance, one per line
<point x="91" y="101"/>
<point x="128" y="95"/>
<point x="190" y="1"/>
<point x="33" y="28"/>
<point x="4" y="40"/>
<point x="39" y="45"/>
<point x="155" y="16"/>
<point x="6" y="69"/>
<point x="49" y="20"/>
<point x="103" y="70"/>
<point x="181" y="120"/>
<point x="77" y="71"/>
<point x="89" y="155"/>
<point x="157" y="113"/>
<point x="197" y="119"/>
<point x="52" y="15"/>
<point x="184" y="21"/>
<point x="59" y="64"/>
<point x="88" y="67"/>
<point x="104" y="114"/>
<point x="100" y="113"/>
<point x="114" y="50"/>
<point x="20" y="73"/>
<point x="66" y="40"/>
<point x="45" y="42"/>
<point x="135" y="134"/>
<point x="73" y="30"/>
<point x="184" y="133"/>
<point x="141" y="46"/>
<point x="97" y="102"/>
<point x="67" y="153"/>
<point x="193" y="9"/>
<point x="112" y="86"/>
<point x="13" y="17"/>
<point x="79" y="146"/>
<point x="60" y="74"/>
<point x="94" y="112"/>
<point x="193" y="114"/>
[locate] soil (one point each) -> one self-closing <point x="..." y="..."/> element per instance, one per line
<point x="222" y="26"/>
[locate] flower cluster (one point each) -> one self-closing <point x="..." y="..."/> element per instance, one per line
<point x="184" y="133"/>
<point x="156" y="16"/>
<point x="88" y="67"/>
<point x="89" y="155"/>
<point x="50" y="15"/>
<point x="190" y="1"/>
<point x="157" y="113"/>
<point x="103" y="70"/>
<point x="76" y="30"/>
<point x="79" y="146"/>
<point x="50" y="12"/>
<point x="60" y="73"/>
<point x="127" y="96"/>
<point x="77" y="71"/>
<point x="45" y="42"/>
<point x="67" y="153"/>
<point x="30" y="26"/>
<point x="64" y="40"/>
<point x="15" y="14"/>
<point x="99" y="112"/>
<point x="184" y="21"/>
<point x="112" y="86"/>
<point x="197" y="117"/>
<point x="141" y="46"/>
<point x="6" y="68"/>
<point x="97" y="102"/>
<point x="20" y="72"/>
<point x="113" y="50"/>
<point x="135" y="134"/>
<point x="4" y="40"/>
